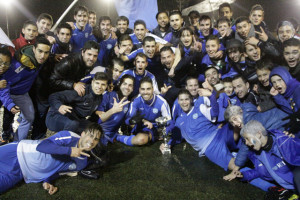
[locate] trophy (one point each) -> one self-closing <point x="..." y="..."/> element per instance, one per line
<point x="163" y="122"/>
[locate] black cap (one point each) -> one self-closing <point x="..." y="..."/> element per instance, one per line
<point x="233" y="43"/>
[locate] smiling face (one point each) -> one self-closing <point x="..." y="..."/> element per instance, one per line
<point x="127" y="45"/>
<point x="126" y="87"/>
<point x="186" y="38"/>
<point x="243" y="29"/>
<point x="212" y="47"/>
<point x="146" y="91"/>
<point x="105" y="27"/>
<point x="167" y="58"/>
<point x="253" y="52"/>
<point x="240" y="88"/>
<point x="44" y="25"/>
<point x="117" y="71"/>
<point x="90" y="56"/>
<point x="140" y="31"/>
<point x="176" y="22"/>
<point x="122" y="26"/>
<point x="162" y="20"/>
<point x="228" y="88"/>
<point x="4" y="63"/>
<point x="278" y="84"/>
<point x="140" y="65"/>
<point x="41" y="53"/>
<point x="234" y="54"/>
<point x="185" y="102"/>
<point x="292" y="55"/>
<point x="263" y="76"/>
<point x="205" y="26"/>
<point x="99" y="86"/>
<point x="149" y="48"/>
<point x="89" y="140"/>
<point x="81" y="19"/>
<point x="30" y="32"/>
<point x="236" y="121"/>
<point x="192" y="85"/>
<point x="256" y="17"/>
<point x="92" y="20"/>
<point x="212" y="76"/>
<point x="64" y="35"/>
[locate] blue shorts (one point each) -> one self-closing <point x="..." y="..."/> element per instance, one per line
<point x="10" y="171"/>
<point x="218" y="152"/>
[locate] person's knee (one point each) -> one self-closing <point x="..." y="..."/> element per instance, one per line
<point x="141" y="139"/>
<point x="72" y="125"/>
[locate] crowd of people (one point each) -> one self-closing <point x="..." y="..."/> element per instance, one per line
<point x="231" y="90"/>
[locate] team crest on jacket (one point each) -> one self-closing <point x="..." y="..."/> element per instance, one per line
<point x="72" y="166"/>
<point x="109" y="46"/>
<point x="86" y="35"/>
<point x="155" y="110"/>
<point x="195" y="116"/>
<point x="125" y="109"/>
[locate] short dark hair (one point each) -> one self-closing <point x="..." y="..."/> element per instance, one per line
<point x="189" y="78"/>
<point x="185" y="91"/>
<point x="5" y="51"/>
<point x="291" y="42"/>
<point x="194" y="14"/>
<point x="90" y="44"/>
<point x="139" y="22"/>
<point x="29" y="22"/>
<point x="213" y="37"/>
<point x="104" y="18"/>
<point x="227" y="80"/>
<point x="41" y="40"/>
<point x="63" y="25"/>
<point x="242" y="19"/>
<point x="125" y="76"/>
<point x="101" y="76"/>
<point x="148" y="39"/>
<point x="222" y="20"/>
<point x="224" y="5"/>
<point x="45" y="16"/>
<point x="205" y="17"/>
<point x="81" y="8"/>
<point x="92" y="12"/>
<point x="211" y="67"/>
<point x="118" y="61"/>
<point x="240" y="76"/>
<point x="124" y="37"/>
<point x="265" y="64"/>
<point x="166" y="48"/>
<point x="175" y="12"/>
<point x="156" y="16"/>
<point x="123" y="18"/>
<point x="93" y="126"/>
<point x="146" y="79"/>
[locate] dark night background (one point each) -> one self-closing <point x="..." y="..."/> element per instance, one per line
<point x="275" y="10"/>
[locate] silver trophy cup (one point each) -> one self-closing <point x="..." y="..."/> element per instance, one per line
<point x="163" y="122"/>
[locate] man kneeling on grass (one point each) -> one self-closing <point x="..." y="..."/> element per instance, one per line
<point x="42" y="160"/>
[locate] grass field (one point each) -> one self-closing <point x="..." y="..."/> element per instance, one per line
<point x="143" y="173"/>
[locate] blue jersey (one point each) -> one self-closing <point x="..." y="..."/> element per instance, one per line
<point x="19" y="81"/>
<point x="137" y="80"/>
<point x="157" y="107"/>
<point x="106" y="46"/>
<point x="135" y="40"/>
<point x="40" y="160"/>
<point x="224" y="101"/>
<point x="80" y="37"/>
<point x="110" y="127"/>
<point x="196" y="126"/>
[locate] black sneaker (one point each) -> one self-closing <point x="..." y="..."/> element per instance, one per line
<point x="90" y="174"/>
<point x="277" y="192"/>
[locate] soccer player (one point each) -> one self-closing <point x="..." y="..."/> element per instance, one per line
<point x="42" y="160"/>
<point x="145" y="109"/>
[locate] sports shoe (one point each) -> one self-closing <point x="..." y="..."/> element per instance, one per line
<point x="90" y="174"/>
<point x="277" y="192"/>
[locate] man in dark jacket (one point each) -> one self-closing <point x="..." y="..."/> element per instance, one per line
<point x="69" y="110"/>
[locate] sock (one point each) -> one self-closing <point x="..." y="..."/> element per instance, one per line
<point x="125" y="139"/>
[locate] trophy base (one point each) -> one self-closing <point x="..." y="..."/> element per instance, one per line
<point x="166" y="151"/>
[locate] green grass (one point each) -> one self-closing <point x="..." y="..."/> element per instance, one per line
<point x="143" y="173"/>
